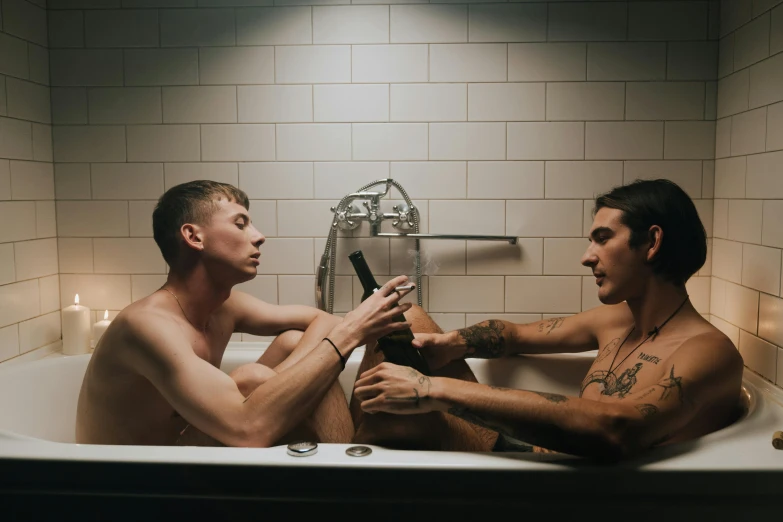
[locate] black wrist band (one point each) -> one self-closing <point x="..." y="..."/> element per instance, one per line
<point x="342" y="359"/>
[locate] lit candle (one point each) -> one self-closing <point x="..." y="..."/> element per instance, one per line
<point x="100" y="327"/>
<point x="76" y="328"/>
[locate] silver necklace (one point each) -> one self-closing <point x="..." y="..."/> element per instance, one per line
<point x="203" y="330"/>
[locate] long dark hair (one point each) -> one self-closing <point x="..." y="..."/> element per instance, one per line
<point x="661" y="202"/>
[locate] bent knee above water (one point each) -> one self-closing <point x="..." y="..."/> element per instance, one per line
<point x="250" y="376"/>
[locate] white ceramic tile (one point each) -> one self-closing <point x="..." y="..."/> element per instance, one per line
<point x="45" y="219"/>
<point x="689" y="140"/>
<point x="82" y="4"/>
<point x="32" y="180"/>
<point x="771" y="319"/>
<point x="389" y="63"/>
<point x="731" y="331"/>
<point x="775" y="127"/>
<point x="145" y="285"/>
<point x="28" y="100"/>
<point x="237" y="65"/>
<point x="334" y="180"/>
<point x="498" y="258"/>
<point x="699" y="291"/>
<point x="197" y="27"/>
<point x="92" y="218"/>
<point x="389" y="141"/>
<point x="436" y="257"/>
<point x="161" y="66"/>
<point x="94" y="67"/>
<point x="776" y="39"/>
<point x="730" y="178"/>
<point x="410" y="298"/>
<point x="308" y="218"/>
<point x="431" y="179"/>
<point x="39" y="63"/>
<point x="5" y="179"/>
<point x="666" y="21"/>
<point x="718" y="297"/>
<point x="428" y="102"/>
<point x="708" y="179"/>
<point x="733" y="93"/>
<point x="531" y="62"/>
<point x="751" y="42"/>
<point x="275" y="103"/>
<point x="313" y="64"/>
<point x="428" y="23"/>
<point x="466" y="294"/>
<point x="69" y="105"/>
<point x="376" y="252"/>
<point x="35" y="258"/>
<point x="563" y="256"/>
<point x="127" y="180"/>
<point x="467" y="141"/>
<point x="296" y="290"/>
<point x="263" y="214"/>
<point x="140" y="218"/>
<point x="706" y="210"/>
<point x="665" y="100"/>
<point x="507" y="23"/>
<point x="587" y="21"/>
<point x="39" y="332"/>
<point x="686" y="174"/>
<point x="546" y="141"/>
<point x="42" y="142"/>
<point x="581" y="179"/>
<point x="7" y="264"/>
<point x="742" y="307"/>
<point x="75" y="144"/>
<point x="692" y="61"/>
<point x="758" y="355"/>
<point x="287" y="256"/>
<point x="50" y="293"/>
<point x="19" y="302"/>
<point x="506" y="101"/>
<point x="239" y="142"/>
<point x="128" y="256"/>
<point x="733" y="14"/>
<point x="505" y="179"/>
<point x="468" y="63"/>
<point x="3" y="104"/>
<point x="176" y="173"/>
<point x="25" y="20"/>
<point x="585" y="101"/>
<point x="66" y="29"/>
<point x="711" y="101"/>
<point x="449" y="322"/>
<point x="121" y="28"/>
<point x="549" y="294"/>
<point x="772" y="217"/>
<point x="721" y="218"/>
<point x="166" y="143"/>
<point x="749" y="132"/>
<point x="624" y="140"/>
<point x="351" y="103"/>
<point x="467" y="217"/>
<point x="366" y="24"/>
<point x="726" y="56"/>
<point x="200" y="104"/>
<point x="544" y="218"/>
<point x="263" y="287"/>
<point x="761" y="268"/>
<point x="764" y="176"/>
<point x="96" y="291"/>
<point x="277" y="180"/>
<point x="16" y="139"/>
<point x="13" y="56"/>
<point x="9" y="342"/>
<point x="639" y="61"/>
<point x="312" y="142"/>
<point x="727" y="260"/>
<point x="19" y="220"/>
<point x="274" y="26"/>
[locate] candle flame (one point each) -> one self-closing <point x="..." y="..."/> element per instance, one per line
<point x="105" y="315"/>
<point x="76" y="299"/>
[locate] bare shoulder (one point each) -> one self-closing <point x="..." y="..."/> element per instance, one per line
<point x="709" y="356"/>
<point x="144" y="328"/>
<point x="606" y="317"/>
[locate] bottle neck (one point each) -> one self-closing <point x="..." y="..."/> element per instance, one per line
<point x="363" y="271"/>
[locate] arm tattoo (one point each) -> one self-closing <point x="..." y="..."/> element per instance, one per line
<point x="647" y="410"/>
<point x="484" y="342"/>
<point x="550" y="324"/>
<point x="670" y="383"/>
<point x="552" y="397"/>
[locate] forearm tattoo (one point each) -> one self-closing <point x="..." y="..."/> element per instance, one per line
<point x="647" y="410"/>
<point x="549" y="325"/>
<point x="484" y="340"/>
<point x="552" y="397"/>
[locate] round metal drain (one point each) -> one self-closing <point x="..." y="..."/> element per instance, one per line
<point x="358" y="451"/>
<point x="302" y="449"/>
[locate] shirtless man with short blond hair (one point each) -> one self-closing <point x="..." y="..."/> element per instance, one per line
<point x="662" y="374"/>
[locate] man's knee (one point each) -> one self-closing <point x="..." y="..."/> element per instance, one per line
<point x="250" y="376"/>
<point x="420" y="321"/>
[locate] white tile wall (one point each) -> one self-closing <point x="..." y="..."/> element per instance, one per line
<point x="546" y="141"/>
<point x="389" y="63"/>
<point x="428" y="23"/>
<point x="235" y="65"/>
<point x="641" y="61"/>
<point x="348" y="103"/>
<point x="274" y="26"/>
<point x="764" y="175"/>
<point x="581" y="179"/>
<point x="624" y="140"/>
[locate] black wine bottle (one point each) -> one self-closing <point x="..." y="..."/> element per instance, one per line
<point x="396" y="346"/>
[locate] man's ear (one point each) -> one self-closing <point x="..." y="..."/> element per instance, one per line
<point x="655" y="238"/>
<point x="193" y="236"/>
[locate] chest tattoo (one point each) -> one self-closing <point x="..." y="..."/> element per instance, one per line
<point x="649" y="358"/>
<point x="611" y="384"/>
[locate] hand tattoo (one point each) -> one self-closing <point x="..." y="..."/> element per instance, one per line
<point x="484" y="342"/>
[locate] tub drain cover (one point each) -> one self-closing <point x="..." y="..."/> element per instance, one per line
<point x="358" y="451"/>
<point x="302" y="449"/>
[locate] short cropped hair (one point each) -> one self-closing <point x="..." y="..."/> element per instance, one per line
<point x="661" y="202"/>
<point x="192" y="202"/>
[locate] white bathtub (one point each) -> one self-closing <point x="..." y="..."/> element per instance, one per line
<point x="37" y="416"/>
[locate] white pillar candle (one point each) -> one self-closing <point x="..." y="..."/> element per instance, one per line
<point x="100" y="327"/>
<point x="76" y="328"/>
